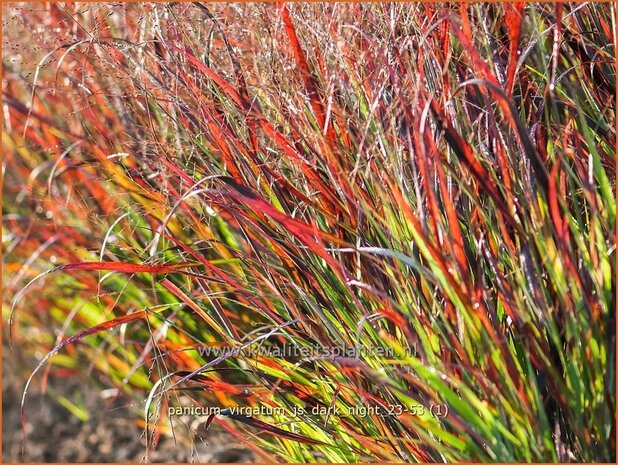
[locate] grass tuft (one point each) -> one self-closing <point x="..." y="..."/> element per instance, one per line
<point x="387" y="229"/>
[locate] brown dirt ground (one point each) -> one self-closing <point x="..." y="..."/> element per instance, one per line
<point x="53" y="434"/>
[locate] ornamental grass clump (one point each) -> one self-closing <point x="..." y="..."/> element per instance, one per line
<point x="347" y="232"/>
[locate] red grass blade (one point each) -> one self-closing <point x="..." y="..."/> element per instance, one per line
<point x="309" y="80"/>
<point x="513" y="17"/>
<point x="255" y="423"/>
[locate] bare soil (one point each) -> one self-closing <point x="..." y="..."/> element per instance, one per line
<point x="110" y="434"/>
